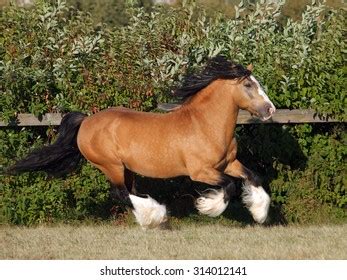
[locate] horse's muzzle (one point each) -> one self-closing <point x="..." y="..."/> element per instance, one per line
<point x="266" y="111"/>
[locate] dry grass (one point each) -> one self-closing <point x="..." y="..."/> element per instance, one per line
<point x="187" y="242"/>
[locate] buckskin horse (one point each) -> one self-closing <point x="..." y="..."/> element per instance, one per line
<point x="196" y="140"/>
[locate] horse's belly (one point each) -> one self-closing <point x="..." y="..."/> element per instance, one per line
<point x="155" y="165"/>
<point x="156" y="173"/>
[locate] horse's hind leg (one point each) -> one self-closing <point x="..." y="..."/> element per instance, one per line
<point x="148" y="212"/>
<point x="254" y="196"/>
<point x="129" y="180"/>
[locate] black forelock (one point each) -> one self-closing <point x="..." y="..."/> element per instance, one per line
<point x="216" y="68"/>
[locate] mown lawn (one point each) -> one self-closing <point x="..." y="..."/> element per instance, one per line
<point x="184" y="241"/>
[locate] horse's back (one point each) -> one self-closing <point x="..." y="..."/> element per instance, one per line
<point x="143" y="142"/>
<point x="114" y="124"/>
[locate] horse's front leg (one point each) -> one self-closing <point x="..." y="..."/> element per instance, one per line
<point x="254" y="196"/>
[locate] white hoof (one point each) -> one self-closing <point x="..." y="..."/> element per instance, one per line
<point x="212" y="203"/>
<point x="257" y="201"/>
<point x="148" y="212"/>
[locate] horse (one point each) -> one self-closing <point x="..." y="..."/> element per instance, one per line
<point x="195" y="140"/>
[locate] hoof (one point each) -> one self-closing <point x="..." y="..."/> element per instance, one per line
<point x="148" y="212"/>
<point x="212" y="203"/>
<point x="257" y="201"/>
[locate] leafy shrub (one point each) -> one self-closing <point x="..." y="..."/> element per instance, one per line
<point x="55" y="59"/>
<point x="33" y="198"/>
<point x="111" y="12"/>
<point x="304" y="167"/>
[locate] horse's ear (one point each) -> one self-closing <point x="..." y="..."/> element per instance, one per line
<point x="250" y="67"/>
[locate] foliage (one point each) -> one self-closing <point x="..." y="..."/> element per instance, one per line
<point x="56" y="59"/>
<point x="29" y="198"/>
<point x="304" y="167"/>
<point x="111" y="12"/>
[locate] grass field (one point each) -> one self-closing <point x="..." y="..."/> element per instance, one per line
<point x="184" y="241"/>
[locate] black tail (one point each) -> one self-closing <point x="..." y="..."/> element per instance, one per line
<point x="59" y="158"/>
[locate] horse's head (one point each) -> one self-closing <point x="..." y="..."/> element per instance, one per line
<point x="251" y="97"/>
<point x="247" y="92"/>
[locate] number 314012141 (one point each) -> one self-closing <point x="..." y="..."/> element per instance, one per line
<point x="220" y="271"/>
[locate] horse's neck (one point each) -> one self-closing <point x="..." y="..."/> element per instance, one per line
<point x="218" y="115"/>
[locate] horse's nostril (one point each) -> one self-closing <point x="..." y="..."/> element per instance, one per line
<point x="270" y="109"/>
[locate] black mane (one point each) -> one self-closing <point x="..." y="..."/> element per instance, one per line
<point x="217" y="68"/>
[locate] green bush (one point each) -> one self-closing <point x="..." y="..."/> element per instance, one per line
<point x="33" y="198"/>
<point x="111" y="12"/>
<point x="304" y="167"/>
<point x="55" y="59"/>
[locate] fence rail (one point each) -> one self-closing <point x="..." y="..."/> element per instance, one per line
<point x="282" y="116"/>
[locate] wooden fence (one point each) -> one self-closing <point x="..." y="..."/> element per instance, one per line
<point x="282" y="116"/>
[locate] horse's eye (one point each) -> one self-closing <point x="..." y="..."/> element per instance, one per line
<point x="248" y="85"/>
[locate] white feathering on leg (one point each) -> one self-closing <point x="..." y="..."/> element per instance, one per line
<point x="148" y="212"/>
<point x="212" y="203"/>
<point x="257" y="201"/>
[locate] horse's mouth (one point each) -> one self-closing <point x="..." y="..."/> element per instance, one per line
<point x="265" y="118"/>
<point x="263" y="113"/>
<point x="260" y="117"/>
